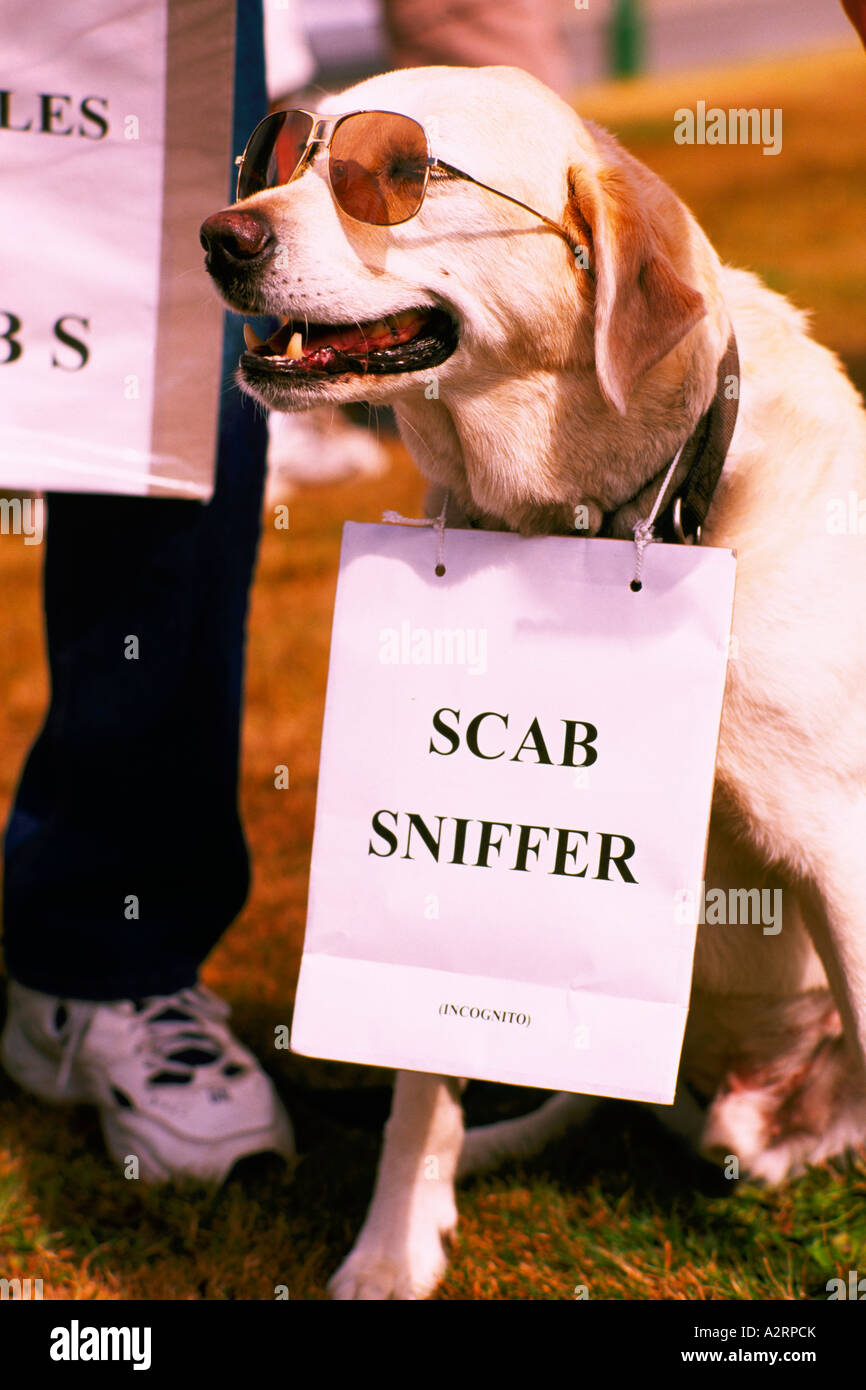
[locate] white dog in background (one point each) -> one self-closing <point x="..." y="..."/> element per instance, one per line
<point x="566" y="380"/>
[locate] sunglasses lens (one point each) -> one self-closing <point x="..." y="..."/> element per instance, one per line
<point x="378" y="167"/>
<point x="274" y="151"/>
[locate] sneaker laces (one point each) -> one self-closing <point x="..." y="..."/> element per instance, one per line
<point x="175" y="1033"/>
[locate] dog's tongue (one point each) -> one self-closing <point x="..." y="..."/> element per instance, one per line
<point x="359" y="336"/>
<point x="349" y="338"/>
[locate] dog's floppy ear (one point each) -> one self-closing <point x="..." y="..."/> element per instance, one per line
<point x="642" y="307"/>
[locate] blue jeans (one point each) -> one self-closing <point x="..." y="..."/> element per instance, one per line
<point x="130" y="791"/>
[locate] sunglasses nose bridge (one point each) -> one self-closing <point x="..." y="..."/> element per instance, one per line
<point x="320" y="137"/>
<point x="318" y="142"/>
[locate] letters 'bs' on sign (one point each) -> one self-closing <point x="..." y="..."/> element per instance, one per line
<point x="514" y="793"/>
<point x="115" y="144"/>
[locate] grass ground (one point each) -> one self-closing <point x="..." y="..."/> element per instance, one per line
<point x="620" y="1207"/>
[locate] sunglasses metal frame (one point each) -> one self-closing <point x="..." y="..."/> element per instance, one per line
<point x="321" y="137"/>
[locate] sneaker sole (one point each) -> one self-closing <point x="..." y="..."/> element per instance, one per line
<point x="206" y="1162"/>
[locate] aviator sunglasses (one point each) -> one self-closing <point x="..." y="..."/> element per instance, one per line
<point x="379" y="163"/>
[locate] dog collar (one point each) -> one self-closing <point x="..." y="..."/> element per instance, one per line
<point x="682" y="517"/>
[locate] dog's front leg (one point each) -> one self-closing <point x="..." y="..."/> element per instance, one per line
<point x="400" y="1251"/>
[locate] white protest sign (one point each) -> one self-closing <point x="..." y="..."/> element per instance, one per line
<point x="514" y="793"/>
<point x="115" y="127"/>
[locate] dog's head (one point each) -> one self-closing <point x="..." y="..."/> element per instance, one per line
<point x="474" y="300"/>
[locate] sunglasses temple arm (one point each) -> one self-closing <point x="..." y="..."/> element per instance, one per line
<point x="574" y="245"/>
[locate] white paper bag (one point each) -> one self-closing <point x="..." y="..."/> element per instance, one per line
<point x="514" y="794"/>
<point x="115" y="127"/>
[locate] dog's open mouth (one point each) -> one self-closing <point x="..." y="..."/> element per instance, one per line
<point x="411" y="341"/>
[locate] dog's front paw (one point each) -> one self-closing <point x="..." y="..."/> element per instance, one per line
<point x="398" y="1259"/>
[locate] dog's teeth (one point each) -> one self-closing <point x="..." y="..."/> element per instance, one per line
<point x="296" y="346"/>
<point x="380" y="326"/>
<point x="251" y="337"/>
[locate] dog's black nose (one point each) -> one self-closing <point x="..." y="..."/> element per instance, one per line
<point x="235" y="236"/>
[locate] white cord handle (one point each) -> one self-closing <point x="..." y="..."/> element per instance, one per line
<point x="643" y="530"/>
<point x="438" y="524"/>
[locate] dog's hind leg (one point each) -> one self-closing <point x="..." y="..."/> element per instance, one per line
<point x="787" y="1088"/>
<point x="834" y="908"/>
<point x="487" y="1146"/>
<point x="686" y="1117"/>
<point x="400" y="1253"/>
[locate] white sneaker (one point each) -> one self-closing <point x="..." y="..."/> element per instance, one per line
<point x="175" y="1089"/>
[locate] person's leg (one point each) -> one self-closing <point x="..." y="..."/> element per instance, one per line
<point x="124" y="855"/>
<point x="130" y="791"/>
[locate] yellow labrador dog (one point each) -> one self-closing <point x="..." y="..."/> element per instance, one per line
<point x="548" y="321"/>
